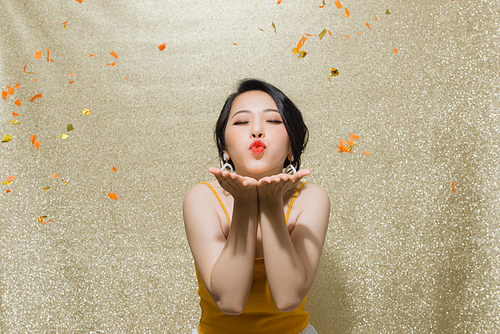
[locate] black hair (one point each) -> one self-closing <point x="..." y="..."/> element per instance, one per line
<point x="290" y="114"/>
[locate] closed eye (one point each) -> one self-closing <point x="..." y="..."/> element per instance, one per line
<point x="240" y="123"/>
<point x="275" y="121"/>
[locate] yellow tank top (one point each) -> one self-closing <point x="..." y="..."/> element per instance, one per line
<point x="260" y="314"/>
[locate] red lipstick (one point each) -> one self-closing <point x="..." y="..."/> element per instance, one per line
<point x="257" y="147"/>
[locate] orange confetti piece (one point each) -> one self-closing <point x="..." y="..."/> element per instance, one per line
<point x="279" y="1"/>
<point x="112" y="64"/>
<point x="8" y="191"/>
<point x="308" y="35"/>
<point x="395" y="51"/>
<point x="351" y="138"/>
<point x="18" y="85"/>
<point x="55" y="175"/>
<point x="18" y="102"/>
<point x="71" y="82"/>
<point x="35" y="97"/>
<point x="113" y="54"/>
<point x="337" y="3"/>
<point x="376" y="18"/>
<point x="72" y="74"/>
<point x="48" y="55"/>
<point x="368" y="26"/>
<point x="14" y="114"/>
<point x="114" y="169"/>
<point x="10" y="178"/>
<point x="367" y="153"/>
<point x="161" y="46"/>
<point x="25" y="67"/>
<point x="91" y="55"/>
<point x="321" y="6"/>
<point x="234" y="43"/>
<point x="80" y="1"/>
<point x="38" y="55"/>
<point x="347" y="36"/>
<point x="10" y="90"/>
<point x="301" y="43"/>
<point x="113" y="196"/>
<point x="126" y="78"/>
<point x="34" y="80"/>
<point x="40" y="219"/>
<point x="330" y="33"/>
<point x="33" y="139"/>
<point x="4" y="95"/>
<point x="358" y="33"/>
<point x="346" y="14"/>
<point x="64" y="23"/>
<point x="453" y="186"/>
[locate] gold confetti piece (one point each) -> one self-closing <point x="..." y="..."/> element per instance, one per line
<point x="63" y="136"/>
<point x="86" y="112"/>
<point x="261" y="29"/>
<point x="69" y="127"/>
<point x="334" y="72"/>
<point x="113" y="196"/>
<point x="64" y="182"/>
<point x="388" y="12"/>
<point x="46" y="188"/>
<point x="274" y="28"/>
<point x="55" y="175"/>
<point x="15" y="122"/>
<point x="322" y="34"/>
<point x="7" y="138"/>
<point x="6" y="183"/>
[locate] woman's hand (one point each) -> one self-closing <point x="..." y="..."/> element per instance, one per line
<point x="240" y="187"/>
<point x="272" y="188"/>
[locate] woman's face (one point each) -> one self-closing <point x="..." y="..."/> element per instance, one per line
<point x="256" y="138"/>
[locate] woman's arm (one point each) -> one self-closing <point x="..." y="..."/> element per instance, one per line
<point x="225" y="266"/>
<point x="292" y="260"/>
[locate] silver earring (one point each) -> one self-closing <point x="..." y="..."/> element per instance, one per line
<point x="227" y="164"/>
<point x="290" y="167"/>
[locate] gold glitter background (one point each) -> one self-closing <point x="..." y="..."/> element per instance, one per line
<point x="404" y="254"/>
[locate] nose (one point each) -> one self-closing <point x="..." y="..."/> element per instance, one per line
<point x="257" y="130"/>
<point x="256" y="134"/>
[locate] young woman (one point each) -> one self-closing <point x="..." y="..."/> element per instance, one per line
<point x="256" y="233"/>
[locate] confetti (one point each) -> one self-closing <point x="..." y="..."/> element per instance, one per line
<point x="368" y="26"/>
<point x="161" y="46"/>
<point x="334" y="72"/>
<point x="46" y="188"/>
<point x="114" y="169"/>
<point x="49" y="60"/>
<point x="388" y="12"/>
<point x="453" y="186"/>
<point x="346" y="14"/>
<point x="69" y="127"/>
<point x="38" y="55"/>
<point x="367" y="153"/>
<point x="14" y="114"/>
<point x="35" y="142"/>
<point x="351" y="139"/>
<point x="35" y="97"/>
<point x="111" y="64"/>
<point x="7" y="138"/>
<point x="279" y="1"/>
<point x="64" y="182"/>
<point x="300" y="44"/>
<point x="64" y="24"/>
<point x="54" y="176"/>
<point x="330" y="32"/>
<point x="234" y="43"/>
<point x="113" y="196"/>
<point x="91" y="55"/>
<point x="261" y="29"/>
<point x="113" y="54"/>
<point x="4" y="95"/>
<point x="8" y="191"/>
<point x="63" y="136"/>
<point x="348" y="149"/>
<point x="322" y="34"/>
<point x="349" y="37"/>
<point x="18" y="102"/>
<point x="18" y="85"/>
<point x="10" y="178"/>
<point x="80" y="1"/>
<point x="86" y="112"/>
<point x="40" y="219"/>
<point x="323" y="6"/>
<point x="274" y="27"/>
<point x="15" y="122"/>
<point x="395" y="51"/>
<point x="337" y="3"/>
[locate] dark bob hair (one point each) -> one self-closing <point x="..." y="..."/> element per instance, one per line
<point x="290" y="114"/>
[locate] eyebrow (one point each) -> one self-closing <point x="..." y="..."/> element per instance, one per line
<point x="247" y="111"/>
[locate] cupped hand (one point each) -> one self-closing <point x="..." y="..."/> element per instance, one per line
<point x="240" y="187"/>
<point x="273" y="187"/>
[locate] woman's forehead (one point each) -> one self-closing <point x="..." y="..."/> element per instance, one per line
<point x="253" y="101"/>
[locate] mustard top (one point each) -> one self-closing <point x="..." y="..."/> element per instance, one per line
<point x="260" y="314"/>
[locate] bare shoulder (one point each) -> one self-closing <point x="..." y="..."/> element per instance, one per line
<point x="200" y="191"/>
<point x="314" y="194"/>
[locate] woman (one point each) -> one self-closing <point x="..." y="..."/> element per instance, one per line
<point x="256" y="233"/>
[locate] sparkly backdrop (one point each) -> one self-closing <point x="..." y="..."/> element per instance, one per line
<point x="413" y="243"/>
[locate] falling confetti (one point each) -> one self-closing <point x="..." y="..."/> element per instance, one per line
<point x="38" y="55"/>
<point x="9" y="180"/>
<point x="35" y="142"/>
<point x="162" y="46"/>
<point x="368" y="26"/>
<point x="111" y="64"/>
<point x="18" y="102"/>
<point x="343" y="148"/>
<point x="453" y="186"/>
<point x="86" y="112"/>
<point x="14" y="114"/>
<point x="113" y="54"/>
<point x="46" y="188"/>
<point x="349" y="37"/>
<point x="64" y="24"/>
<point x="346" y="14"/>
<point x="7" y="138"/>
<point x="337" y="3"/>
<point x="395" y="51"/>
<point x="91" y="55"/>
<point x="69" y="127"/>
<point x="114" y="169"/>
<point x="54" y="176"/>
<point x="113" y="196"/>
<point x="40" y="219"/>
<point x="63" y="136"/>
<point x="274" y="27"/>
<point x="322" y="34"/>
<point x="64" y="182"/>
<point x="367" y="153"/>
<point x="35" y="97"/>
<point x="388" y="12"/>
<point x="14" y="122"/>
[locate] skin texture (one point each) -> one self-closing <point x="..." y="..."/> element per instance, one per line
<point x="256" y="196"/>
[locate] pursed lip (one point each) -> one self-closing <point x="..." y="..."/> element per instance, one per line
<point x="257" y="143"/>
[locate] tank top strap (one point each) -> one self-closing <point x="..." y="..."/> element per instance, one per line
<point x="220" y="201"/>
<point x="291" y="202"/>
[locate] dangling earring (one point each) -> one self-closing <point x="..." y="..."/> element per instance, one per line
<point x="227" y="164"/>
<point x="290" y="167"/>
